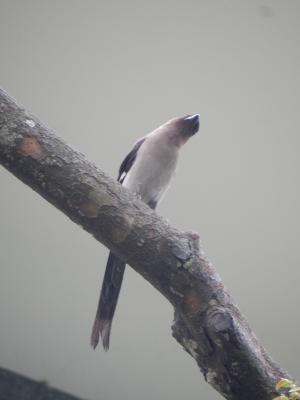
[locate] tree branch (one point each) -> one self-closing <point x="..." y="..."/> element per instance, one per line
<point x="207" y="323"/>
<point x="14" y="386"/>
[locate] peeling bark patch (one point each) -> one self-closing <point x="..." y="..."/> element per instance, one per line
<point x="89" y="209"/>
<point x="31" y="147"/>
<point x="120" y="228"/>
<point x="96" y="200"/>
<point x="100" y="197"/>
<point x="192" y="302"/>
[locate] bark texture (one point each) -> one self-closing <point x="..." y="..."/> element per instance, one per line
<point x="207" y="323"/>
<point x="17" y="387"/>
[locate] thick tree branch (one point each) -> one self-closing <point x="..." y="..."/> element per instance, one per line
<point x="14" y="386"/>
<point x="207" y="323"/>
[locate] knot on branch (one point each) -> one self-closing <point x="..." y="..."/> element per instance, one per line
<point x="219" y="326"/>
<point x="31" y="146"/>
<point x="182" y="252"/>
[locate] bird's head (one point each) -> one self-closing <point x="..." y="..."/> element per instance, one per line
<point x="181" y="129"/>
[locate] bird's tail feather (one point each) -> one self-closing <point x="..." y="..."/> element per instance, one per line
<point x="108" y="301"/>
<point x="101" y="327"/>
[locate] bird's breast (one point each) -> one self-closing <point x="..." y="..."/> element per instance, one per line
<point x="151" y="173"/>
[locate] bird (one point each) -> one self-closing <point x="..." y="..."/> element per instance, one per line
<point x="146" y="171"/>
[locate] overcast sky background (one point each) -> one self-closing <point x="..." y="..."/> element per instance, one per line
<point x="102" y="74"/>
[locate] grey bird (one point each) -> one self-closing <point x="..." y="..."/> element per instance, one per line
<point x="146" y="171"/>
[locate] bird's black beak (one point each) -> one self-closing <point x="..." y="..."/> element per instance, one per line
<point x="194" y="122"/>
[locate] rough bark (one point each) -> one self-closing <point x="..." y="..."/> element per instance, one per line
<point x="17" y="387"/>
<point x="207" y="323"/>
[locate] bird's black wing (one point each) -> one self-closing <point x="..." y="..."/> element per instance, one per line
<point x="129" y="160"/>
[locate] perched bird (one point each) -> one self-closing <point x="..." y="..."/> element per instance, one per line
<point x="146" y="171"/>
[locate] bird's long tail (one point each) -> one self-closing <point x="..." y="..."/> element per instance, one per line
<point x="111" y="286"/>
